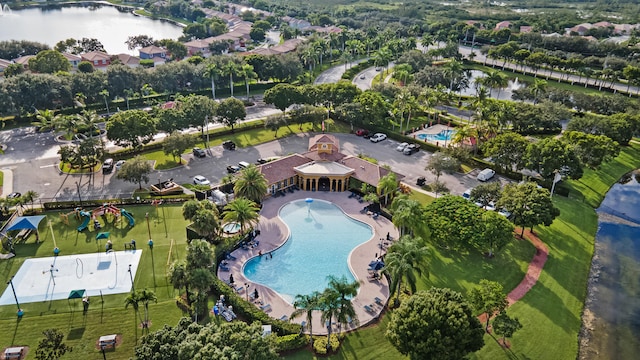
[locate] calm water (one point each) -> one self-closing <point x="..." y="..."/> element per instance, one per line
<point x="503" y="94"/>
<point x="321" y="238"/>
<point x="109" y="25"/>
<point x="615" y="296"/>
<point x="444" y="135"/>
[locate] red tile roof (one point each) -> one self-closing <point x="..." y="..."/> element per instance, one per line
<point x="281" y="169"/>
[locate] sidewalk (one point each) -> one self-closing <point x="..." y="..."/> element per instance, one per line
<point x="7" y="182"/>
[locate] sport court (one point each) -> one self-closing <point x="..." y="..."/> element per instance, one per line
<point x="53" y="278"/>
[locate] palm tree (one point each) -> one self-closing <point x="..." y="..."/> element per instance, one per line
<point x="179" y="277"/>
<point x="403" y="261"/>
<point x="230" y="68"/>
<point x="246" y="71"/>
<point x="242" y="211"/>
<point x="453" y="70"/>
<point x="408" y="214"/>
<point x="537" y="89"/>
<point x="306" y="304"/>
<point x="251" y="184"/>
<point x="330" y="307"/>
<point x="128" y="93"/>
<point x="30" y="196"/>
<point x="212" y="72"/>
<point x="46" y="120"/>
<point x="495" y="80"/>
<point x="146" y="296"/>
<point x="105" y="94"/>
<point x="206" y="223"/>
<point x="387" y="186"/>
<point x="68" y="125"/>
<point x="89" y="118"/>
<point x="346" y="291"/>
<point x="133" y="299"/>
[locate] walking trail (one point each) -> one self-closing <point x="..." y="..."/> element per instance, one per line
<point x="533" y="271"/>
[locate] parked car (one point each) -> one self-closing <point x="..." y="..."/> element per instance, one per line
<point x="119" y="164"/>
<point x="362" y="132"/>
<point x="504" y="213"/>
<point x="243" y="164"/>
<point x="14" y="195"/>
<point x="467" y="194"/>
<point x="486" y="174"/>
<point x="362" y="77"/>
<point x="411" y="149"/>
<point x="378" y="137"/>
<point x="229" y="145"/>
<point x="232" y="169"/>
<point x="107" y="166"/>
<point x="200" y="180"/>
<point x="401" y="146"/>
<point x="197" y="152"/>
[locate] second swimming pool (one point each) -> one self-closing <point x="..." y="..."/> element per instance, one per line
<point x="321" y="238"/>
<point x="444" y="135"/>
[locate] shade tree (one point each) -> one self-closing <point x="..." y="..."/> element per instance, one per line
<point x="528" y="204"/>
<point x="506" y="326"/>
<point x="176" y="143"/>
<point x="136" y="170"/>
<point x="131" y="128"/>
<point x="507" y="150"/>
<point x="435" y="324"/>
<point x="231" y="111"/>
<point x="488" y="298"/>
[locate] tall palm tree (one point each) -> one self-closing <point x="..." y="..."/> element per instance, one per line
<point x="408" y="215"/>
<point x="346" y="291"/>
<point x="89" y="118"/>
<point x="206" y="223"/>
<point x="128" y="94"/>
<point x="105" y="94"/>
<point x="387" y="186"/>
<point x="212" y="72"/>
<point x="246" y="71"/>
<point x="30" y="197"/>
<point x="230" y="68"/>
<point x="179" y="277"/>
<point x="133" y="300"/>
<point x="495" y="80"/>
<point x="147" y="296"/>
<point x="306" y="304"/>
<point x="242" y="211"/>
<point x="453" y="70"/>
<point x="68" y="125"/>
<point x="251" y="184"/>
<point x="330" y="308"/>
<point x="405" y="259"/>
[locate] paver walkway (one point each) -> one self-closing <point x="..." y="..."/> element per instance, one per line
<point x="274" y="233"/>
<point x="533" y="271"/>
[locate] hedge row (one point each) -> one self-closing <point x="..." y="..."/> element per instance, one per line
<point x="291" y="342"/>
<point x="61" y="205"/>
<point x="354" y="70"/>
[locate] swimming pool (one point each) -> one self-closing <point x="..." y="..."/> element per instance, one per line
<point x="321" y="238"/>
<point x="444" y="135"/>
<point x="231" y="228"/>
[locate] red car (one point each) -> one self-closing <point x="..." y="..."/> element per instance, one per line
<point x="362" y="132"/>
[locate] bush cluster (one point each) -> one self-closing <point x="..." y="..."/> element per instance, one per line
<point x="320" y="344"/>
<point x="291" y="342"/>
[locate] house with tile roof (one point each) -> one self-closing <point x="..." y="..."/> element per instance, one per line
<point x="151" y="52"/>
<point x="73" y="59"/>
<point x="129" y="60"/>
<point x="322" y="168"/>
<point x="3" y="65"/>
<point x="99" y="59"/>
<point x="502" y="25"/>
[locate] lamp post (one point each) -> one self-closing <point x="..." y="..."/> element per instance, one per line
<point x="146" y="216"/>
<point x="79" y="197"/>
<point x="104" y="356"/>
<point x="131" y="277"/>
<point x="10" y="282"/>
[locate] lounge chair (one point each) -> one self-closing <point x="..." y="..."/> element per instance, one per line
<point x="223" y="267"/>
<point x="284" y="318"/>
<point x="369" y="309"/>
<point x="379" y="301"/>
<point x="230" y="257"/>
<point x="239" y="289"/>
<point x="226" y="315"/>
<point x="303" y="324"/>
<point x="265" y="308"/>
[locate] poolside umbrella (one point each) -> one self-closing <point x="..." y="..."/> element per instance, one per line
<point x="102" y="235"/>
<point x="376" y="265"/>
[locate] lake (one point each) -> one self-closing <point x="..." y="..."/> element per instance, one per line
<point x="111" y="26"/>
<point x="612" y="310"/>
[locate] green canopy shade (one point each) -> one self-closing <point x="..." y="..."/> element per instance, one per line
<point x="102" y="235"/>
<point x="76" y="294"/>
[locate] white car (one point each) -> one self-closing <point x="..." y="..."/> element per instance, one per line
<point x="119" y="164"/>
<point x="377" y="137"/>
<point x="200" y="180"/>
<point x="402" y="146"/>
<point x="467" y="194"/>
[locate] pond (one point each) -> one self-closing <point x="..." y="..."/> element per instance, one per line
<point x="612" y="311"/>
<point x="110" y="25"/>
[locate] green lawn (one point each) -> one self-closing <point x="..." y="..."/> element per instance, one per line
<point x="103" y="318"/>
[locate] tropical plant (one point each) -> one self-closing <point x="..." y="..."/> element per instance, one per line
<point x="405" y="259"/>
<point x="306" y="304"/>
<point x="242" y="211"/>
<point x="251" y="184"/>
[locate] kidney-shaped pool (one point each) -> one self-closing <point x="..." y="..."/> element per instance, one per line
<point x="321" y="237"/>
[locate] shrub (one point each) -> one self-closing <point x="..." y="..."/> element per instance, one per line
<point x="320" y="344"/>
<point x="291" y="342"/>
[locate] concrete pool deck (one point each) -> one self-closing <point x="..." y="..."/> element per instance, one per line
<point x="432" y="130"/>
<point x="274" y="233"/>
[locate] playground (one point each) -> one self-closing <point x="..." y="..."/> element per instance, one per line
<point x="51" y="308"/>
<point x="106" y="211"/>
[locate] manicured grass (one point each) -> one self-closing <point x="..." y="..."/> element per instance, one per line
<point x="421" y="197"/>
<point x="109" y="317"/>
<point x="66" y="168"/>
<point x="1" y="178"/>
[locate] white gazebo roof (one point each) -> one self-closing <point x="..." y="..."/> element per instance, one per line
<point x="323" y="168"/>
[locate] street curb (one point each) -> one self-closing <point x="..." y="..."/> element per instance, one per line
<point x="7" y="184"/>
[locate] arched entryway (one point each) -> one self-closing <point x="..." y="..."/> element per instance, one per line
<point x="324" y="184"/>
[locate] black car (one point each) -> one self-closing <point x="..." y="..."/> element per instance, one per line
<point x="229" y="145"/>
<point x="232" y="169"/>
<point x="411" y="149"/>
<point x="197" y="152"/>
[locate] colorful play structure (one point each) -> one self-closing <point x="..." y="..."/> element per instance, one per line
<point x="95" y="213"/>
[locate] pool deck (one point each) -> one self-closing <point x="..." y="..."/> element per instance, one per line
<point x="274" y="233"/>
